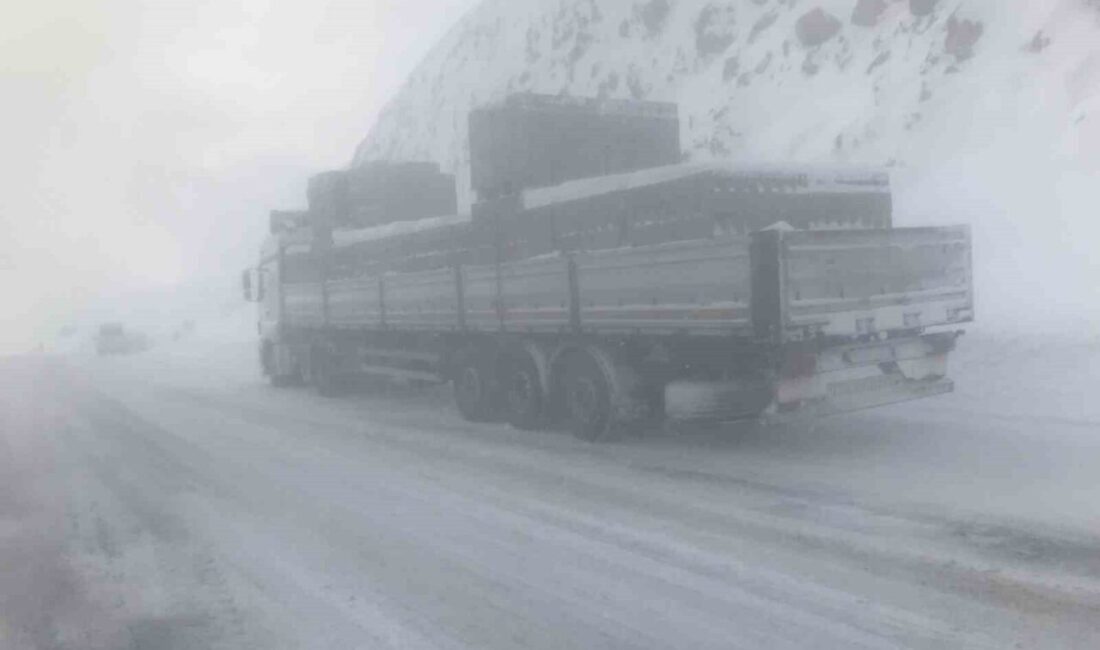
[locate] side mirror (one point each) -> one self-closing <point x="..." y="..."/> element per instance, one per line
<point x="246" y="285"/>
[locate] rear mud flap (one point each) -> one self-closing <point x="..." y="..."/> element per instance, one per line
<point x="690" y="401"/>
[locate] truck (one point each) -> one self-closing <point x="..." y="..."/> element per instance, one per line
<point x="114" y="339"/>
<point x="680" y="291"/>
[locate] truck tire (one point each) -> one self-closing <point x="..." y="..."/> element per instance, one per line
<point x="476" y="389"/>
<point x="586" y="392"/>
<point x="525" y="402"/>
<point x="269" y="363"/>
<point x="322" y="375"/>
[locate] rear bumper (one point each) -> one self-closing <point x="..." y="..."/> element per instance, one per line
<point x="814" y="383"/>
<point x="863" y="376"/>
<point x="859" y="395"/>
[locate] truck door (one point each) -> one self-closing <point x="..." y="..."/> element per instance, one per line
<point x="268" y="297"/>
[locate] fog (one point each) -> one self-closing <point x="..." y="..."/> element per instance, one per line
<point x="144" y="142"/>
<point x="635" y="324"/>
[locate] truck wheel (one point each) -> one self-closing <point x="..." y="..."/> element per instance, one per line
<point x="322" y="375"/>
<point x="475" y="388"/>
<point x="586" y="390"/>
<point x="281" y="381"/>
<point x="524" y="394"/>
<point x="269" y="363"/>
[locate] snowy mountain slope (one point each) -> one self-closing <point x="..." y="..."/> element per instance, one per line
<point x="963" y="98"/>
<point x="774" y="78"/>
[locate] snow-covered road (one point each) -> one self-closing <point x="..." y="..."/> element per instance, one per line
<point x="178" y="502"/>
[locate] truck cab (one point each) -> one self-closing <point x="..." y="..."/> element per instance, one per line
<point x="264" y="286"/>
<point x="113" y="338"/>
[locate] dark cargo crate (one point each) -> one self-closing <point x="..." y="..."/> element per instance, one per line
<point x="287" y="220"/>
<point x="536" y="141"/>
<point x="384" y="192"/>
<point x="329" y="201"/>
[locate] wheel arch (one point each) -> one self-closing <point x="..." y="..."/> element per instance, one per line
<point x="540" y="354"/>
<point x="622" y="378"/>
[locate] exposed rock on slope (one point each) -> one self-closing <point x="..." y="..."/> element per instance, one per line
<point x="779" y="79"/>
<point x="816" y="27"/>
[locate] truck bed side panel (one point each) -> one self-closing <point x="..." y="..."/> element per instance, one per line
<point x="304" y="304"/>
<point x="354" y="302"/>
<point x="535" y="294"/>
<point x="697" y="286"/>
<point x="481" y="297"/>
<point x="422" y="300"/>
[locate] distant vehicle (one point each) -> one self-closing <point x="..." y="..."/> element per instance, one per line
<point x="113" y="338"/>
<point x="690" y="290"/>
<point x="184" y="330"/>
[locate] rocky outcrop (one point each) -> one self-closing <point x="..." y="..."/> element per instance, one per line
<point x="962" y="36"/>
<point x="922" y="7"/>
<point x="816" y="27"/>
<point x="867" y="12"/>
<point x="770" y="78"/>
<point x="715" y="29"/>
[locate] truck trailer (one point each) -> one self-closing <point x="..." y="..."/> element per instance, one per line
<point x="686" y="291"/>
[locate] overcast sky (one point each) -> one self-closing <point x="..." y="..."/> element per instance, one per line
<point x="144" y="141"/>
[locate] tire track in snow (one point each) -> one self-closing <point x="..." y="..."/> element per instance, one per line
<point x="512" y="460"/>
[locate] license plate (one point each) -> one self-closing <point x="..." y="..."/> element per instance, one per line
<point x="864" y="385"/>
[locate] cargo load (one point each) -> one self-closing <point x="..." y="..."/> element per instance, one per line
<point x="683" y="202"/>
<point x="685" y="290"/>
<point x="329" y="201"/>
<point x="532" y="140"/>
<point x="281" y="221"/>
<point x="382" y="192"/>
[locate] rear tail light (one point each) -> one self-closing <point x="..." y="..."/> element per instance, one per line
<point x="799" y="363"/>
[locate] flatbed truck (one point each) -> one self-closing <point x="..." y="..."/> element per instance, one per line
<point x="686" y="291"/>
